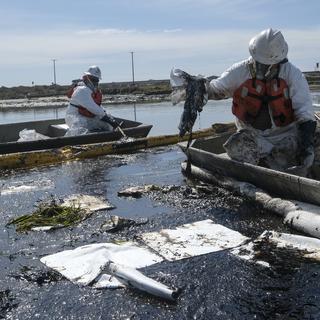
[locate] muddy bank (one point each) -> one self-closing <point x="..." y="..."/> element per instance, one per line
<point x="108" y="100"/>
<point x="62" y="101"/>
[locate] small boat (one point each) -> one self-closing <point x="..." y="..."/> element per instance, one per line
<point x="208" y="154"/>
<point x="56" y="129"/>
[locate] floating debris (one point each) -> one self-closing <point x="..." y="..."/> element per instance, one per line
<point x="50" y="215"/>
<point x="116" y="223"/>
<point x="88" y="203"/>
<point x="55" y="213"/>
<point x="134" y="278"/>
<point x="138" y="191"/>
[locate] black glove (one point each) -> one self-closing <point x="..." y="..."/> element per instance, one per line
<point x="110" y="120"/>
<point x="306" y="135"/>
<point x="306" y="132"/>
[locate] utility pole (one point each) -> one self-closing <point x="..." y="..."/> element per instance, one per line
<point x="132" y="67"/>
<point x="54" y="71"/>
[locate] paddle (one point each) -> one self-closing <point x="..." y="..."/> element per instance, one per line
<point x="125" y="141"/>
<point x="121" y="131"/>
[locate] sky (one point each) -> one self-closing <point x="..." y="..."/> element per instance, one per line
<point x="199" y="36"/>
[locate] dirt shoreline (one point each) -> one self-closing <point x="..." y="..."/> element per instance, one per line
<point x="62" y="102"/>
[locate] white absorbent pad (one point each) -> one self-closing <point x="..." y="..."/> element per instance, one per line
<point x="306" y="247"/>
<point x="192" y="239"/>
<point x="84" y="264"/>
<point x="89" y="264"/>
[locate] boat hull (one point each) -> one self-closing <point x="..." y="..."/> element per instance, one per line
<point x="9" y="134"/>
<point x="208" y="154"/>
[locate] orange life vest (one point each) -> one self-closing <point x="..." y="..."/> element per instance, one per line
<point x="254" y="94"/>
<point x="96" y="96"/>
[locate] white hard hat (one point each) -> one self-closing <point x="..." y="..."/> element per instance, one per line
<point x="93" y="71"/>
<point x="268" y="47"/>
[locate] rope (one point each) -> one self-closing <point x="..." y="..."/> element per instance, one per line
<point x="188" y="168"/>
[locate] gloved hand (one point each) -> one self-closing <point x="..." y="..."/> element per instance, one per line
<point x="306" y="163"/>
<point x="306" y="132"/>
<point x="110" y="120"/>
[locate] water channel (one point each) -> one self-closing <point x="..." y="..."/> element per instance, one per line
<point x="164" y="116"/>
<point x="214" y="286"/>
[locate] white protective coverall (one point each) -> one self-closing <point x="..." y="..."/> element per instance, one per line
<point x="277" y="145"/>
<point x="79" y="124"/>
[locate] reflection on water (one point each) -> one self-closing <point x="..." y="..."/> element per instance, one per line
<point x="163" y="116"/>
<point x="25" y="115"/>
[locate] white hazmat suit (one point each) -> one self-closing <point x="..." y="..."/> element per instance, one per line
<point x="276" y="144"/>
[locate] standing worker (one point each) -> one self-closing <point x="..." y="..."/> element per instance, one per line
<point x="85" y="113"/>
<point x="273" y="107"/>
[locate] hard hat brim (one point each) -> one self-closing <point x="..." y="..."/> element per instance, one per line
<point x="90" y="74"/>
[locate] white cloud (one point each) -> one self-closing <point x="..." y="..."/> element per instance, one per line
<point x="104" y="32"/>
<point x="206" y="51"/>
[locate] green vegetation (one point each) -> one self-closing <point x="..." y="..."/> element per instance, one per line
<point x="53" y="214"/>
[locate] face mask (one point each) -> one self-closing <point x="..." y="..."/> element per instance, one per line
<point x="94" y="81"/>
<point x="262" y="70"/>
<point x="265" y="71"/>
<point x="91" y="82"/>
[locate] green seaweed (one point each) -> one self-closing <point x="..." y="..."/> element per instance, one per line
<point x="53" y="214"/>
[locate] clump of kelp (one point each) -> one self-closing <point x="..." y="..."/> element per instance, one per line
<point x="51" y="214"/>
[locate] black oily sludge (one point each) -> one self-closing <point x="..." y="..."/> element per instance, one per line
<point x="7" y="302"/>
<point x="216" y="285"/>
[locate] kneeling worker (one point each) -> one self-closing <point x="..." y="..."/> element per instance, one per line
<point x="272" y="105"/>
<point x="85" y="113"/>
